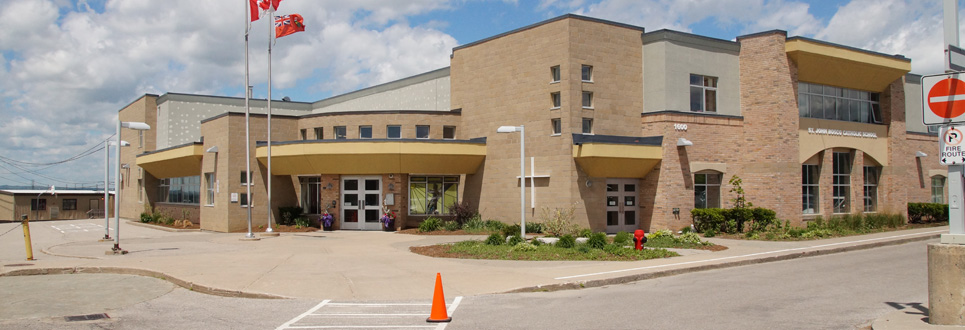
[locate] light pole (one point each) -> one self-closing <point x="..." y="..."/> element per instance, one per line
<point x="107" y="199"/>
<point x="522" y="173"/>
<point x="117" y="180"/>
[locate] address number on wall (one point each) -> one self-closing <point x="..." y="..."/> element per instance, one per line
<point x="680" y="127"/>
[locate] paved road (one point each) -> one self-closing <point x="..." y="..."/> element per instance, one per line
<point x="838" y="291"/>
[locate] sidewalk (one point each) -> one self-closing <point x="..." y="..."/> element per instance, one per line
<point x="349" y="265"/>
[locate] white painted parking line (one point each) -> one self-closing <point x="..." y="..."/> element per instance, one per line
<point x="747" y="255"/>
<point x="76" y="228"/>
<point x="376" y="315"/>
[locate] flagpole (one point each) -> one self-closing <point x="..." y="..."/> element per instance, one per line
<point x="247" y="126"/>
<point x="271" y="38"/>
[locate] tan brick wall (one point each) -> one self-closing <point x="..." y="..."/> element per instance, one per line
<point x="379" y="122"/>
<point x="142" y="110"/>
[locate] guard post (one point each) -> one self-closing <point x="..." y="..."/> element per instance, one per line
<point x="25" y="223"/>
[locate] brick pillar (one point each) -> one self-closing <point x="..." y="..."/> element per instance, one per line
<point x="901" y="171"/>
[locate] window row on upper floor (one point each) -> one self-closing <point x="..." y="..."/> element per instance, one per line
<point x="365" y="132"/>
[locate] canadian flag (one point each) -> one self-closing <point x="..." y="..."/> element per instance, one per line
<point x="255" y="5"/>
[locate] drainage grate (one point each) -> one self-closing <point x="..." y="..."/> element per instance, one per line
<point x="88" y="317"/>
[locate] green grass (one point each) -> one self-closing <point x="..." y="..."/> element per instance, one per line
<point x="670" y="242"/>
<point x="479" y="250"/>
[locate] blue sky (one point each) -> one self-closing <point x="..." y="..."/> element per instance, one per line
<point x="68" y="66"/>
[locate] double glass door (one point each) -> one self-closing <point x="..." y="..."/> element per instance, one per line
<point x="621" y="205"/>
<point x="361" y="202"/>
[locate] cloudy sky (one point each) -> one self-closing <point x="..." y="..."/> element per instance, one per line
<point x="68" y="66"/>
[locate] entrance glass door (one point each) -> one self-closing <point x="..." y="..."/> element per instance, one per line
<point x="361" y="202"/>
<point x="621" y="205"/>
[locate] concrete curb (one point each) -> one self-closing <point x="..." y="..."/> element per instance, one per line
<point x="143" y="272"/>
<point x="672" y="272"/>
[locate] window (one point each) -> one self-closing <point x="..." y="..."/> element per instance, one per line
<point x="38" y="204"/>
<point x="938" y="189"/>
<point x="449" y="132"/>
<point x="432" y="194"/>
<point x="870" y="188"/>
<point x="827" y="102"/>
<point x="587" y="73"/>
<point x="555" y="74"/>
<point x="243" y="197"/>
<point x="703" y="93"/>
<point x="809" y="188"/>
<point x="69" y="205"/>
<point x="340" y="132"/>
<point x="209" y="187"/>
<point x="319" y="133"/>
<point x="140" y="188"/>
<point x="365" y="132"/>
<point x="246" y="180"/>
<point x="557" y="101"/>
<point x="587" y="125"/>
<point x="421" y="131"/>
<point x="304" y="134"/>
<point x="587" y="99"/>
<point x="182" y="190"/>
<point x="557" y="126"/>
<point x="140" y="138"/>
<point x="393" y="132"/>
<point x="841" y="185"/>
<point x="311" y="194"/>
<point x="706" y="190"/>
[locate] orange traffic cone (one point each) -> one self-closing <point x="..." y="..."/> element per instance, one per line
<point x="439" y="313"/>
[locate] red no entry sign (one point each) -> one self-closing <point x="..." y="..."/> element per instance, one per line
<point x="943" y="99"/>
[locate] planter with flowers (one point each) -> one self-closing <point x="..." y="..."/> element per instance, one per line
<point x="327" y="221"/>
<point x="388" y="221"/>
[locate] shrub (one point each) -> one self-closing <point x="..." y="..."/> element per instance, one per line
<point x="763" y="218"/>
<point x="536" y="242"/>
<point x="534" y="227"/>
<point x="493" y="225"/>
<point x="302" y="222"/>
<point x="167" y="220"/>
<point x="430" y="224"/>
<point x="474" y="224"/>
<point x="583" y="248"/>
<point x="731" y="226"/>
<point x="450" y="225"/>
<point x="495" y="239"/>
<point x="597" y="240"/>
<point x="710" y="233"/>
<point x="145" y="218"/>
<point x="511" y="230"/>
<point x="660" y="233"/>
<point x="462" y="212"/>
<point x="514" y="240"/>
<point x="927" y="212"/>
<point x="288" y="214"/>
<point x="622" y="238"/>
<point x="585" y="232"/>
<point x="566" y="242"/>
<point x="707" y="219"/>
<point x="524" y="247"/>
<point x="558" y="222"/>
<point x="691" y="238"/>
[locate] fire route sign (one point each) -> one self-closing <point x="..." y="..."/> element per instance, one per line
<point x="951" y="145"/>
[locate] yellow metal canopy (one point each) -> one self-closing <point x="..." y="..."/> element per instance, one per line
<point x="617" y="157"/>
<point x="841" y="66"/>
<point x="374" y="156"/>
<point x="173" y="162"/>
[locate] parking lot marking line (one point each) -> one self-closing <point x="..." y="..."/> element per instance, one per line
<point x="452" y="309"/>
<point x="363" y="327"/>
<point x="371" y="314"/>
<point x="745" y="255"/>
<point x="375" y="304"/>
<point x="298" y="318"/>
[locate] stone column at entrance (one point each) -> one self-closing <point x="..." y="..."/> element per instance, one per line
<point x="946" y="284"/>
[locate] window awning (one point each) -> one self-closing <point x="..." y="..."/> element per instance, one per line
<point x="178" y="161"/>
<point x="605" y="156"/>
<point x="374" y="156"/>
<point x="836" y="65"/>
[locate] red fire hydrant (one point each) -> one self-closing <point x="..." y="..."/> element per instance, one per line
<point x="639" y="237"/>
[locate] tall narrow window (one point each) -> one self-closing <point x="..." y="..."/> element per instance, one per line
<point x="555" y="74"/>
<point x="706" y="190"/>
<point x="393" y="132"/>
<point x="703" y="93"/>
<point x="870" y="188"/>
<point x="340" y="133"/>
<point x="304" y="134"/>
<point x="449" y="132"/>
<point x="809" y="189"/>
<point x="588" y="99"/>
<point x="209" y="186"/>
<point x="311" y="194"/>
<point x="140" y="138"/>
<point x="841" y="187"/>
<point x="365" y="132"/>
<point x="938" y="189"/>
<point x="587" y="73"/>
<point x="246" y="180"/>
<point x="244" y="199"/>
<point x="557" y="101"/>
<point x="557" y="126"/>
<point x="587" y="125"/>
<point x="319" y="133"/>
<point x="422" y="131"/>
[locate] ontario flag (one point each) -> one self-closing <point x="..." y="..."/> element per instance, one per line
<point x="255" y="5"/>
<point x="288" y="24"/>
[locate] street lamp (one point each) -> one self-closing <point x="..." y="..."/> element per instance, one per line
<point x="117" y="180"/>
<point x="522" y="173"/>
<point x="107" y="199"/>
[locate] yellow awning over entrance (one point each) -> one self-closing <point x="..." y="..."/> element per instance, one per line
<point x="841" y="66"/>
<point x="173" y="162"/>
<point x="374" y="156"/>
<point x="617" y="156"/>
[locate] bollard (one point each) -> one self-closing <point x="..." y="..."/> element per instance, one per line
<point x="26" y="237"/>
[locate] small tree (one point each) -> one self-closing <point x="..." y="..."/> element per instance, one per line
<point x="741" y="211"/>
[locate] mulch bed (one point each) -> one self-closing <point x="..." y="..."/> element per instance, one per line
<point x="277" y="229"/>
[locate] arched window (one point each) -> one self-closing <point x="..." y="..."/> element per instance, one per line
<point x="707" y="190"/>
<point x="938" y="189"/>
